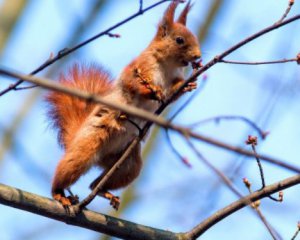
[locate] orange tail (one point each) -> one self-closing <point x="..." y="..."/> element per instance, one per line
<point x="67" y="112"/>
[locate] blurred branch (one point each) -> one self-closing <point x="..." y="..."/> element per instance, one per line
<point x="260" y="63"/>
<point x="87" y="219"/>
<point x="9" y="132"/>
<point x="217" y="119"/>
<point x="10" y="11"/>
<point x="66" y="51"/>
<point x="237" y="205"/>
<point x="215" y="6"/>
<point x="144" y="115"/>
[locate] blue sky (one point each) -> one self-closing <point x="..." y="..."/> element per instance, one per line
<point x="169" y="195"/>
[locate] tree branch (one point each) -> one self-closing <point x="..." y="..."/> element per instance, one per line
<point x="144" y="115"/>
<point x="220" y="57"/>
<point x="235" y="206"/>
<point x="259" y="63"/>
<point x="66" y="51"/>
<point x="87" y="219"/>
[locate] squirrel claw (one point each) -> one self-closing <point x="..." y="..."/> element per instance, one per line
<point x="158" y="95"/>
<point x="190" y="87"/>
<point x="66" y="201"/>
<point x="115" y="202"/>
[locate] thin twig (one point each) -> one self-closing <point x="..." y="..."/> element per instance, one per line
<point x="225" y="179"/>
<point x="252" y="140"/>
<point x="252" y="124"/>
<point x="259" y="63"/>
<point x="237" y="205"/>
<point x="106" y="176"/>
<point x="184" y="160"/>
<point x="183" y="105"/>
<point x="297" y="232"/>
<point x="141" y="6"/>
<point x="255" y="206"/>
<point x="66" y="51"/>
<point x="288" y="9"/>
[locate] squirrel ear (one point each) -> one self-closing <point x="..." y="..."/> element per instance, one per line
<point x="184" y="13"/>
<point x="168" y="19"/>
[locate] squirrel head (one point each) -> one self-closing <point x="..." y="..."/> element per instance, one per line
<point x="173" y="40"/>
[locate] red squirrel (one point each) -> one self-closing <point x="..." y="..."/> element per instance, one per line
<point x="96" y="135"/>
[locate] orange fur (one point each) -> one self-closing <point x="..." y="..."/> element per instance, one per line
<point x="67" y="112"/>
<point x="95" y="135"/>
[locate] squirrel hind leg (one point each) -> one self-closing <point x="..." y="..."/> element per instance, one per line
<point x="114" y="200"/>
<point x="122" y="177"/>
<point x="60" y="196"/>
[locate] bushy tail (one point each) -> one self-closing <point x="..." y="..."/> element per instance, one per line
<point x="66" y="112"/>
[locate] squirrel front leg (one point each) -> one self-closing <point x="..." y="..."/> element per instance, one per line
<point x="80" y="154"/>
<point x="137" y="81"/>
<point x="177" y="83"/>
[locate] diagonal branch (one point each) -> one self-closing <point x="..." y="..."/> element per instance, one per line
<point x="144" y="115"/>
<point x="237" y="205"/>
<point x="66" y="51"/>
<point x="232" y="49"/>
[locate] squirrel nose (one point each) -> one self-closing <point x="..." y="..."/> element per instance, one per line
<point x="197" y="54"/>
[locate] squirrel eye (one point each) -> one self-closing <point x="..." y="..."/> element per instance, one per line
<point x="179" y="40"/>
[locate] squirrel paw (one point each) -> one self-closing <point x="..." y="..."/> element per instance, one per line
<point x="152" y="91"/>
<point x="66" y="201"/>
<point x="190" y="87"/>
<point x="157" y="93"/>
<point x="114" y="200"/>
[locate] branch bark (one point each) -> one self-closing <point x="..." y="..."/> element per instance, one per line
<point x="87" y="219"/>
<point x="124" y="229"/>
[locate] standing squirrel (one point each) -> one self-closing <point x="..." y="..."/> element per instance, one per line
<point x="96" y="135"/>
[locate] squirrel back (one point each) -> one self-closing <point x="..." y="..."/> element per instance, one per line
<point x="68" y="112"/>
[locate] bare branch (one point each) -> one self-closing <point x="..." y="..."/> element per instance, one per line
<point x="228" y="183"/>
<point x="255" y="205"/>
<point x="297" y="232"/>
<point x="288" y="9"/>
<point x="252" y="140"/>
<point x="87" y="219"/>
<point x="237" y="205"/>
<point x="259" y="63"/>
<point x="145" y="115"/>
<point x="220" y="57"/>
<point x="252" y="124"/>
<point x="66" y="51"/>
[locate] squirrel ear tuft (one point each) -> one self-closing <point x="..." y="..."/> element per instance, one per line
<point x="184" y="13"/>
<point x="168" y="19"/>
